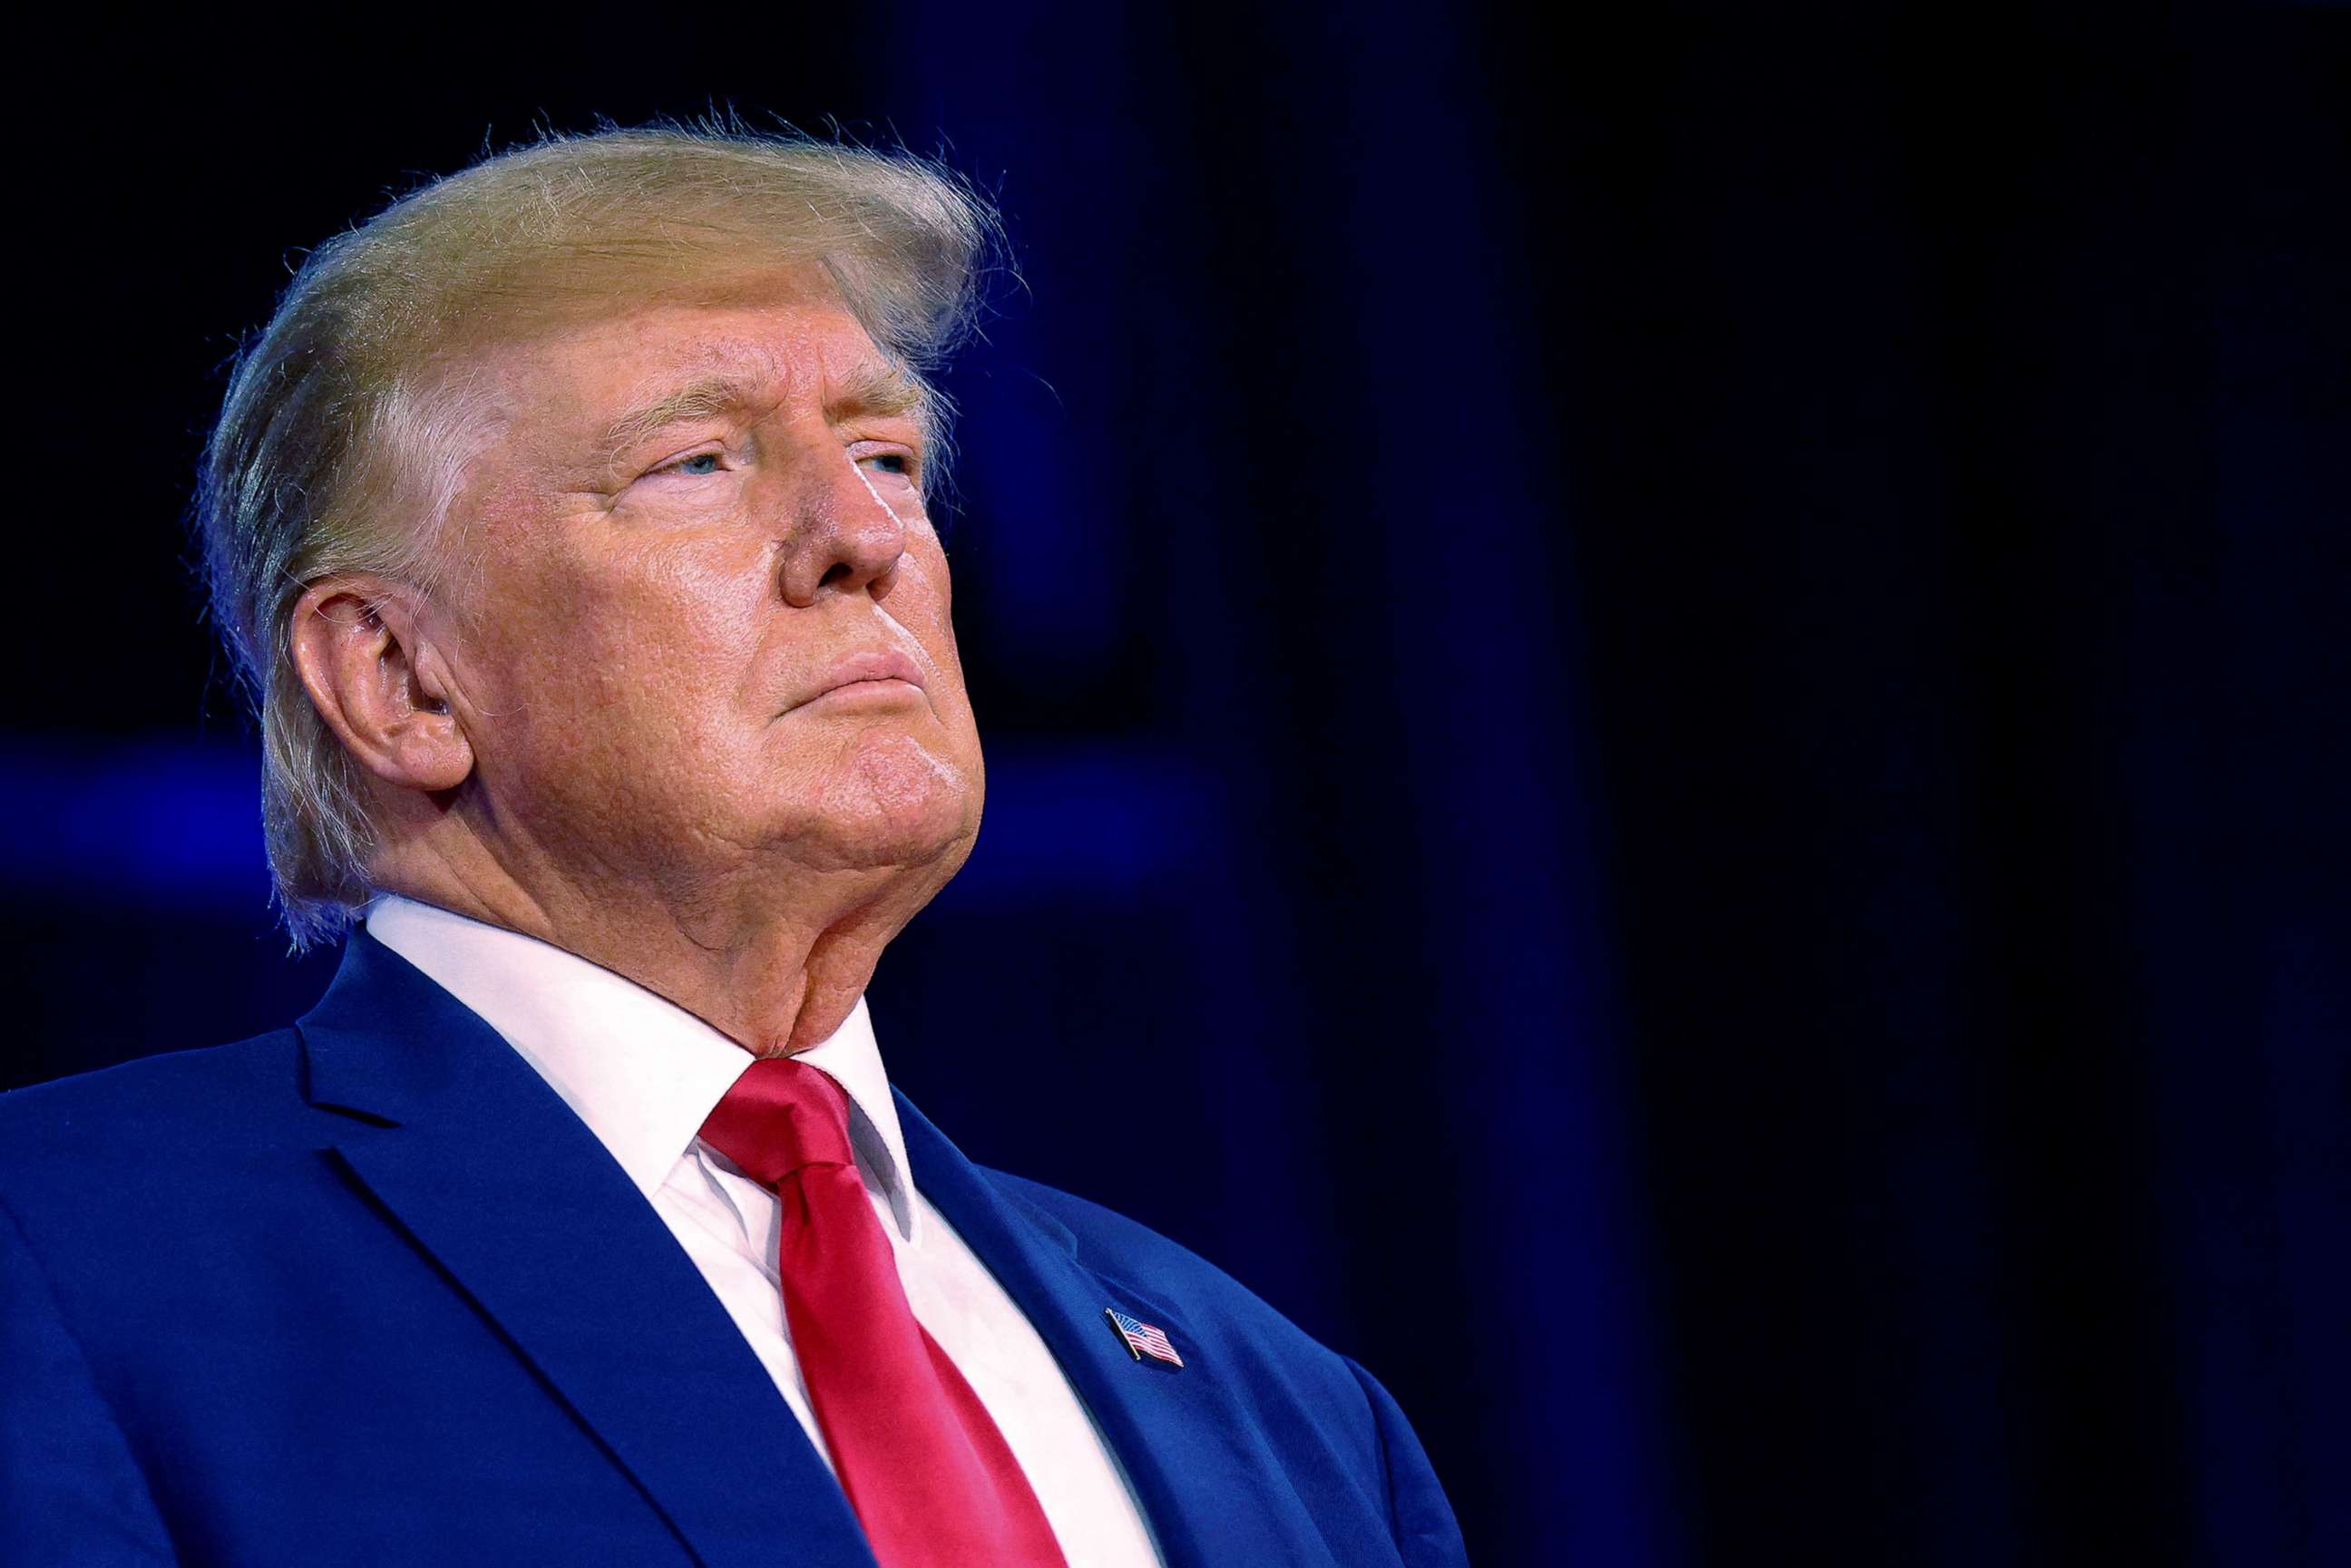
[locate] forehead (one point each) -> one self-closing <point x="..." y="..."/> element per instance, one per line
<point x="777" y="342"/>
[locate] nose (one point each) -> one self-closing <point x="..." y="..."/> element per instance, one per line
<point x="842" y="537"/>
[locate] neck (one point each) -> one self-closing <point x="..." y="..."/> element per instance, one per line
<point x="776" y="962"/>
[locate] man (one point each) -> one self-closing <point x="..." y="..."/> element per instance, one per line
<point x="568" y="519"/>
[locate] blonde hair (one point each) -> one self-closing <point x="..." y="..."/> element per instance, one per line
<point x="346" y="426"/>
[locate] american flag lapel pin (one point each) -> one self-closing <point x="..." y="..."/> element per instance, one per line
<point x="1143" y="1339"/>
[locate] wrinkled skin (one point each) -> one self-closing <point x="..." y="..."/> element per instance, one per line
<point x="691" y="707"/>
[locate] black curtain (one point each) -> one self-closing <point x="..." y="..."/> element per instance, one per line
<point x="1665" y="705"/>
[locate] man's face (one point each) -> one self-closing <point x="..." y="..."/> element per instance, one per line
<point x="702" y="629"/>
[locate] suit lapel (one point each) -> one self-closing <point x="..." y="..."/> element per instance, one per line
<point x="490" y="1173"/>
<point x="1186" y="1437"/>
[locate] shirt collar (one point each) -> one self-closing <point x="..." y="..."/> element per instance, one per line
<point x="641" y="1071"/>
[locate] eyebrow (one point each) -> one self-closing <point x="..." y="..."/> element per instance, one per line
<point x="879" y="389"/>
<point x="871" y="391"/>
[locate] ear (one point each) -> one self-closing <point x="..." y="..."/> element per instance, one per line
<point x="358" y="644"/>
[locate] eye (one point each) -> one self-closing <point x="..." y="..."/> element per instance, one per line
<point x="896" y="464"/>
<point x="696" y="465"/>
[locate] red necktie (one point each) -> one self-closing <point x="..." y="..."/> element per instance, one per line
<point x="924" y="1466"/>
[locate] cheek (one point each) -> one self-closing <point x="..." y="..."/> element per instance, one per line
<point x="693" y="608"/>
<point x="665" y="645"/>
<point x="924" y="605"/>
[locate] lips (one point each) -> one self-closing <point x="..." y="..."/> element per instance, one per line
<point x="859" y="668"/>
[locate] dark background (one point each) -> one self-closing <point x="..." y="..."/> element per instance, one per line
<point x="1665" y="706"/>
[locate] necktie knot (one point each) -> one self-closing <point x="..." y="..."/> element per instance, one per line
<point x="780" y="1116"/>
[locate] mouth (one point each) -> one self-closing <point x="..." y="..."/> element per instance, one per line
<point x="885" y="675"/>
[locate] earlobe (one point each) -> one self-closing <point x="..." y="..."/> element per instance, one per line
<point x="357" y="645"/>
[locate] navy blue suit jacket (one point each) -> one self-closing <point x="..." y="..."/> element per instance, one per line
<point x="366" y="1291"/>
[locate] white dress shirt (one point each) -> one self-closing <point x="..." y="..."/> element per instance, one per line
<point x="643" y="1073"/>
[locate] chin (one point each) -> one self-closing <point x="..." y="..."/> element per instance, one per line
<point x="898" y="803"/>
